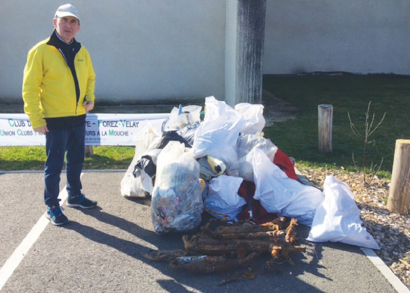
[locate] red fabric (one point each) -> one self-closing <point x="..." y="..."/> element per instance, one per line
<point x="247" y="191"/>
<point x="260" y="215"/>
<point x="285" y="164"/>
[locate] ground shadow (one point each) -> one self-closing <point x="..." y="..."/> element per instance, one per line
<point x="227" y="281"/>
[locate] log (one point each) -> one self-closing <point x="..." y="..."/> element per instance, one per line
<point x="203" y="244"/>
<point x="399" y="193"/>
<point x="275" y="225"/>
<point x="325" y="127"/>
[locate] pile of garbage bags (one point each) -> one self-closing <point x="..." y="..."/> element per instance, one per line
<point x="223" y="164"/>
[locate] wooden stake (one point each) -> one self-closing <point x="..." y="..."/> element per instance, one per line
<point x="89" y="151"/>
<point x="325" y="126"/>
<point x="399" y="193"/>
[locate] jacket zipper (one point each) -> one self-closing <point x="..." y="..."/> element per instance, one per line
<point x="77" y="100"/>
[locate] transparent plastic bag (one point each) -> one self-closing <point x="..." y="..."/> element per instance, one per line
<point x="183" y="116"/>
<point x="188" y="132"/>
<point x="223" y="197"/>
<point x="244" y="148"/>
<point x="176" y="204"/>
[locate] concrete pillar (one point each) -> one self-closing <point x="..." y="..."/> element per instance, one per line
<point x="245" y="36"/>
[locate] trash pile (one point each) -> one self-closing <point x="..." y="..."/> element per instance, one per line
<point x="224" y="165"/>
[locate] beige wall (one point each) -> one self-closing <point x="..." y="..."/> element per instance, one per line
<point x="359" y="36"/>
<point x="151" y="50"/>
<point x="142" y="50"/>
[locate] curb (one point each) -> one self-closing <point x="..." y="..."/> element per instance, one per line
<point x="385" y="270"/>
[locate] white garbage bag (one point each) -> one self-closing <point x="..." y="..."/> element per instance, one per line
<point x="282" y="195"/>
<point x="304" y="205"/>
<point x="218" y="133"/>
<point x="139" y="184"/>
<point x="274" y="189"/>
<point x="337" y="218"/>
<point x="253" y="114"/>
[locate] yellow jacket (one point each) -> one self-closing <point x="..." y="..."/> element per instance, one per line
<point x="48" y="84"/>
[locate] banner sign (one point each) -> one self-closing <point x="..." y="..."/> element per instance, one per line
<point x="101" y="129"/>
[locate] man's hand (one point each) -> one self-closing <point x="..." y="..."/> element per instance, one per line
<point x="42" y="129"/>
<point x="88" y="106"/>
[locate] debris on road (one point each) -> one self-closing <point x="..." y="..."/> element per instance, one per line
<point x="221" y="246"/>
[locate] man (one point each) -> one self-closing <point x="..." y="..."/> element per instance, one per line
<point x="58" y="91"/>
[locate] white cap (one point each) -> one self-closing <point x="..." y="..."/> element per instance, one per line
<point x="67" y="10"/>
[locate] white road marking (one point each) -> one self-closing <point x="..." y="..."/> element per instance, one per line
<point x="14" y="260"/>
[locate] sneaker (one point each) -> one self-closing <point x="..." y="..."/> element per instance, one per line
<point x="80" y="201"/>
<point x="56" y="216"/>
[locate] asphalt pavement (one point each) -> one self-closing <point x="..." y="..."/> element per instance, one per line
<point x="100" y="250"/>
